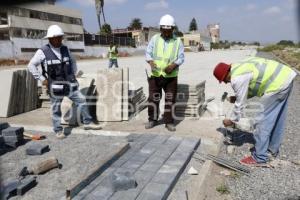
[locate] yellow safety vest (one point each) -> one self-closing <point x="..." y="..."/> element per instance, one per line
<point x="268" y="75"/>
<point x="112" y="53"/>
<point x="163" y="58"/>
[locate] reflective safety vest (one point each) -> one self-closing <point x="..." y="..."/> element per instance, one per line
<point x="268" y="75"/>
<point x="163" y="57"/>
<point x="60" y="75"/>
<point x="113" y="52"/>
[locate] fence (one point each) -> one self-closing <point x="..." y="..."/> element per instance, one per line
<point x="90" y="39"/>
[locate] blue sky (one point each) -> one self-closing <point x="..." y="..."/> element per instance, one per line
<point x="243" y="20"/>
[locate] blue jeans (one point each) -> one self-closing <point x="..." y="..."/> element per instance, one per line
<point x="269" y="129"/>
<point x="79" y="101"/>
<point x="113" y="62"/>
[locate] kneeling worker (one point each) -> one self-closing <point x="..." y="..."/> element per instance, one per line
<point x="272" y="82"/>
<point x="58" y="74"/>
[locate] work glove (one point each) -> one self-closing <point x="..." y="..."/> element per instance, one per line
<point x="170" y="68"/>
<point x="232" y="99"/>
<point x="228" y="122"/>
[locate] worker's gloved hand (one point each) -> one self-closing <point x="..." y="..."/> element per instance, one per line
<point x="45" y="82"/>
<point x="170" y="68"/>
<point x="232" y="99"/>
<point x="152" y="65"/>
<point x="228" y="122"/>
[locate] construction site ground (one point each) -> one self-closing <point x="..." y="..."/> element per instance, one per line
<point x="197" y="67"/>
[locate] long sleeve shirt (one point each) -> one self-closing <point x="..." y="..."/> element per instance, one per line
<point x="150" y="48"/>
<point x="240" y="85"/>
<point x="40" y="57"/>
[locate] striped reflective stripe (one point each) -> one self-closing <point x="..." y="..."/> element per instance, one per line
<point x="173" y="55"/>
<point x="57" y="86"/>
<point x="53" y="62"/>
<point x="261" y="69"/>
<point x="155" y="50"/>
<point x="273" y="77"/>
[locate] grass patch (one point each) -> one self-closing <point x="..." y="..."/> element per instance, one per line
<point x="223" y="189"/>
<point x="235" y="175"/>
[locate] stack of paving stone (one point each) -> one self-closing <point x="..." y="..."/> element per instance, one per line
<point x="44" y="98"/>
<point x="137" y="101"/>
<point x="113" y="95"/>
<point x="68" y="108"/>
<point x="19" y="94"/>
<point x="13" y="136"/>
<point x="189" y="100"/>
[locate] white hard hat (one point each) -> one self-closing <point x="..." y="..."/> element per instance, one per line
<point x="54" y="31"/>
<point x="167" y="21"/>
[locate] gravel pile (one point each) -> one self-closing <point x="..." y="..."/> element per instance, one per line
<point x="281" y="182"/>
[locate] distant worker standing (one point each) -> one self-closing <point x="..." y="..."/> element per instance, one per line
<point x="58" y="74"/>
<point x="165" y="53"/>
<point x="113" y="55"/>
<point x="272" y="82"/>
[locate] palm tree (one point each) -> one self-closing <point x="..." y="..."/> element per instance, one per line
<point x="99" y="4"/>
<point x="136" y="24"/>
<point x="105" y="29"/>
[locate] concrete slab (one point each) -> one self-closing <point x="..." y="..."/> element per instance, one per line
<point x="109" y="85"/>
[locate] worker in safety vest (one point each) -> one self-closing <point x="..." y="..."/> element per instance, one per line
<point x="113" y="55"/>
<point x="164" y="54"/>
<point x="58" y="74"/>
<point x="272" y="82"/>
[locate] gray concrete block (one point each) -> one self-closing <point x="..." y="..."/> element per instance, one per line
<point x="37" y="149"/>
<point x="133" y="164"/>
<point x="102" y="193"/>
<point x="188" y="144"/>
<point x="13" y="131"/>
<point x="3" y="125"/>
<point x="139" y="156"/>
<point x="129" y="194"/>
<point x="123" y="181"/>
<point x="159" y="139"/>
<point x="26" y="184"/>
<point x="152" y="167"/>
<point x="154" y="191"/>
<point x="167" y="174"/>
<point x="125" y="99"/>
<point x="143" y="176"/>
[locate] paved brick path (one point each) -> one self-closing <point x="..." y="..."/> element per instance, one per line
<point x="155" y="161"/>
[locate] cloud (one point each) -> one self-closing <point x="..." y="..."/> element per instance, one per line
<point x="250" y="7"/>
<point x="158" y="5"/>
<point x="222" y="10"/>
<point x="116" y="2"/>
<point x="272" y="10"/>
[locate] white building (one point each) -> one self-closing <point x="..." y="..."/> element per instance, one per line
<point x="197" y="40"/>
<point x="22" y="28"/>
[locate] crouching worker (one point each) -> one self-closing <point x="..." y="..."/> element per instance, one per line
<point x="58" y="69"/>
<point x="272" y="82"/>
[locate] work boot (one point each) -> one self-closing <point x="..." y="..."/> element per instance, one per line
<point x="150" y="124"/>
<point x="171" y="127"/>
<point x="60" y="135"/>
<point x="92" y="126"/>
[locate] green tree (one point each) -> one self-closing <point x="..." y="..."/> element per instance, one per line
<point x="105" y="29"/>
<point x="286" y="43"/>
<point x="193" y="25"/>
<point x="136" y="24"/>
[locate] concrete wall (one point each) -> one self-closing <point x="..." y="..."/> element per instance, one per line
<point x="6" y="50"/>
<point x="100" y="51"/>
